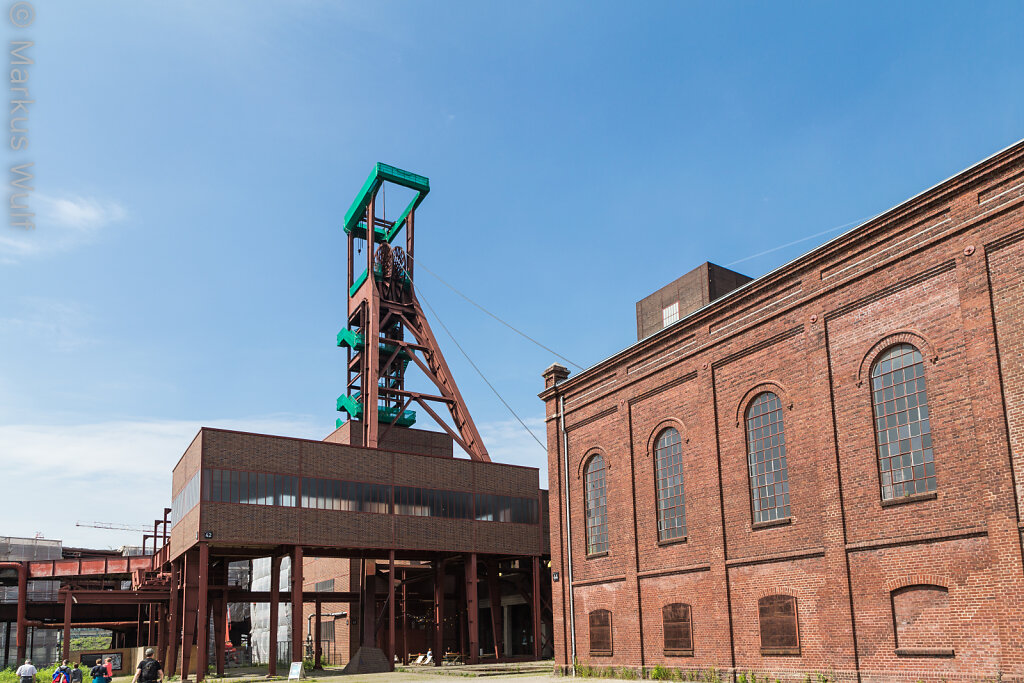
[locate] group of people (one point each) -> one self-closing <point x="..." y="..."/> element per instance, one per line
<point x="148" y="671"/>
<point x="103" y="672"/>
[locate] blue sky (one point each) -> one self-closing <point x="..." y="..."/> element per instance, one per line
<point x="194" y="161"/>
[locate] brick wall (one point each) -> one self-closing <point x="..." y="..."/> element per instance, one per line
<point x="315" y="570"/>
<point x="184" y="534"/>
<point x="187" y="466"/>
<point x="268" y="526"/>
<point x="403" y="439"/>
<point x="1005" y="265"/>
<point x="943" y="272"/>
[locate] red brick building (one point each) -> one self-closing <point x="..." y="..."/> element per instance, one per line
<point x="817" y="471"/>
<point x="403" y="547"/>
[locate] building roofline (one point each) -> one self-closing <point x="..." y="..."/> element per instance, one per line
<point x="362" y="448"/>
<point x="182" y="457"/>
<point x="864" y="226"/>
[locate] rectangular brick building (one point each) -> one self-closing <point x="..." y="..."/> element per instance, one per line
<point x="403" y="547"/>
<point x="360" y="507"/>
<point x="817" y="472"/>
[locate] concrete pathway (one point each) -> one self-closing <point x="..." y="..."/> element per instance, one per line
<point x="526" y="672"/>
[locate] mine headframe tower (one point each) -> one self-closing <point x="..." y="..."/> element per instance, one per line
<point x="387" y="330"/>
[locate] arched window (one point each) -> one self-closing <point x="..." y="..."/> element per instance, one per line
<point x="902" y="430"/>
<point x="924" y="624"/>
<point x="675" y="619"/>
<point x="766" y="458"/>
<point x="597" y="505"/>
<point x="668" y="465"/>
<point x="601" y="632"/>
<point x="777" y="618"/>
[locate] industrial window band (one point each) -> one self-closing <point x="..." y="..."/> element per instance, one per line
<point x="261" y="488"/>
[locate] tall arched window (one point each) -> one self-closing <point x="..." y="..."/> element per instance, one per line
<point x="597" y="505"/>
<point x="766" y="458"/>
<point x="675" y="619"/>
<point x="668" y="465"/>
<point x="601" y="632"/>
<point x="902" y="430"/>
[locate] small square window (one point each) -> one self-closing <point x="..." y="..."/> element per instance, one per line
<point x="669" y="314"/>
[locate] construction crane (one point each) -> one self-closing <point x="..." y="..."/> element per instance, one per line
<point x="148" y="532"/>
<point x="142" y="528"/>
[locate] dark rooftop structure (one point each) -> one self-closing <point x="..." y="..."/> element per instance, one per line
<point x="683" y="296"/>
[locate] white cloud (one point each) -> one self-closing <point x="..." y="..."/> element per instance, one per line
<point x="46" y="323"/>
<point x="62" y="223"/>
<point x="13" y="249"/>
<point x="109" y="472"/>
<point x="509" y="443"/>
<point x="79" y="213"/>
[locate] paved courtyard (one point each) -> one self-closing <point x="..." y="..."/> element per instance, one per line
<point x="534" y="672"/>
<point x="417" y="677"/>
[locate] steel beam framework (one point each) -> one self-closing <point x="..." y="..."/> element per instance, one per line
<point x="383" y="312"/>
<point x="175" y="602"/>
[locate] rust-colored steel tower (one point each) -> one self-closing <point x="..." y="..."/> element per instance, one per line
<point x="382" y="309"/>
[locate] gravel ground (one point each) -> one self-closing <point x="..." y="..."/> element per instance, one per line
<point x="398" y="677"/>
<point x="335" y="676"/>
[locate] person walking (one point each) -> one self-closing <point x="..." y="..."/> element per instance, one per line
<point x="98" y="672"/>
<point x="76" y="674"/>
<point x="148" y="670"/>
<point x="62" y="674"/>
<point x="26" y="672"/>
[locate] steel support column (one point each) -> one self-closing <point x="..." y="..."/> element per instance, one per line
<point x="405" y="620"/>
<point x="22" y="625"/>
<point x="190" y="596"/>
<point x="317" y="664"/>
<point x="439" y="613"/>
<point x="65" y="652"/>
<point x="410" y="243"/>
<point x="297" y="616"/>
<point x="391" y="609"/>
<point x="472" y="610"/>
<point x="371" y="332"/>
<point x="275" y="590"/>
<point x="203" y="614"/>
<point x="460" y="607"/>
<point x="219" y="577"/>
<point x="220" y="627"/>
<point x="497" y="618"/>
<point x="161" y="633"/>
<point x="139" y="625"/>
<point x="173" y="622"/>
<point x="368" y="616"/>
